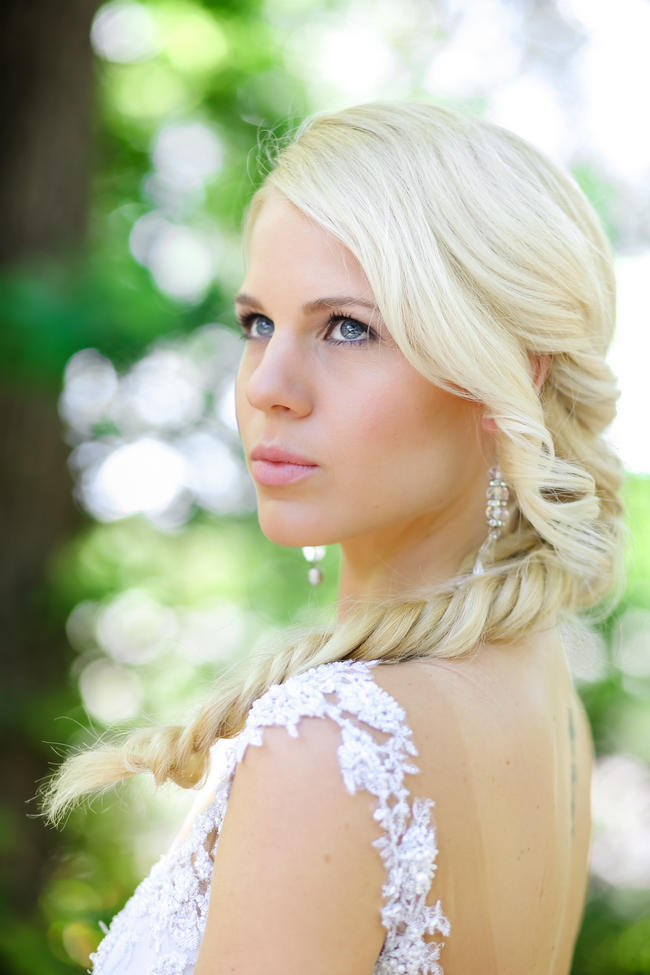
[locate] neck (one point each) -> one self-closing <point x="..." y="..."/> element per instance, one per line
<point x="408" y="560"/>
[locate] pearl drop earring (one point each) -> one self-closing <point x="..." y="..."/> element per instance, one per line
<point x="313" y="554"/>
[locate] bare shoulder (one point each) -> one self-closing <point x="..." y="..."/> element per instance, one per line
<point x="504" y="750"/>
<point x="484" y="703"/>
<point x="482" y="672"/>
<point x="296" y="883"/>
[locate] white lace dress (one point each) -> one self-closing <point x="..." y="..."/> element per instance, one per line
<point x="159" y="930"/>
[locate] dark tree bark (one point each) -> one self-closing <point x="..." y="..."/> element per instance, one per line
<point x="37" y="514"/>
<point x="45" y="125"/>
<point x="46" y="131"/>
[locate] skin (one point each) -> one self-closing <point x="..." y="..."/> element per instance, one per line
<point x="402" y="463"/>
<point x="502" y="744"/>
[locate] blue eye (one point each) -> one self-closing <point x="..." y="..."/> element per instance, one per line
<point x="345" y="323"/>
<point x="246" y="322"/>
<point x="366" y="334"/>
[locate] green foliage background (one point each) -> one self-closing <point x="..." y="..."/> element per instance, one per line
<point x="232" y="72"/>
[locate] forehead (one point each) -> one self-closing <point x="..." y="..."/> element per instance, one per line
<point x="283" y="235"/>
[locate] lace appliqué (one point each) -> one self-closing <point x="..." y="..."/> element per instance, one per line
<point x="168" y="910"/>
<point x="169" y="907"/>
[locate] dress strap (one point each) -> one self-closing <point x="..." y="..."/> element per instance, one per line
<point x="346" y="692"/>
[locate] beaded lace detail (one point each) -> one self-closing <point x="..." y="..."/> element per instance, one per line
<point x="159" y="930"/>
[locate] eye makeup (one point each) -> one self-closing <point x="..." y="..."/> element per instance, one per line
<point x="335" y="318"/>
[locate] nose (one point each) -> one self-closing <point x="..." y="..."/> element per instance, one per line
<point x="278" y="376"/>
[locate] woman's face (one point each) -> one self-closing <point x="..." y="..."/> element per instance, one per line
<point x="394" y="454"/>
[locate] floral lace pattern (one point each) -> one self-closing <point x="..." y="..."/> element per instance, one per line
<point x="159" y="930"/>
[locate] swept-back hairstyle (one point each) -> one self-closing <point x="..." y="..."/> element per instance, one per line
<point x="479" y="251"/>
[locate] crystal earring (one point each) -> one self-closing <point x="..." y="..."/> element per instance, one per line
<point x="313" y="554"/>
<point x="496" y="514"/>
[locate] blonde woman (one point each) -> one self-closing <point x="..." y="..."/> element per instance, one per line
<point x="426" y="308"/>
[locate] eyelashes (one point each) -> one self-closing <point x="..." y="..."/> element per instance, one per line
<point x="336" y="317"/>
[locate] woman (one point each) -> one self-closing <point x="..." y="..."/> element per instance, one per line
<point x="426" y="307"/>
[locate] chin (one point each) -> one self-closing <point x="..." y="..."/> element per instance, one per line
<point x="293" y="535"/>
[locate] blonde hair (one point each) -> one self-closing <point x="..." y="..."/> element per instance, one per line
<point x="479" y="251"/>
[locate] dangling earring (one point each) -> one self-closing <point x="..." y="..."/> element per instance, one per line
<point x="313" y="554"/>
<point x="496" y="514"/>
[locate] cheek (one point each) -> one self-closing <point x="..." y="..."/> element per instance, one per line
<point x="405" y="429"/>
<point x="407" y="414"/>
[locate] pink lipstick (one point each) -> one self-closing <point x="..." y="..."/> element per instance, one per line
<point x="273" y="465"/>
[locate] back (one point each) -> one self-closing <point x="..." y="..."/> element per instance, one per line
<point x="505" y="750"/>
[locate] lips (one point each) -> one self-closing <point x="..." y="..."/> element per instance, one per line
<point x="277" y="455"/>
<point x="274" y="466"/>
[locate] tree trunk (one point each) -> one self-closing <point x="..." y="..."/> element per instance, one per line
<point x="45" y="125"/>
<point x="46" y="129"/>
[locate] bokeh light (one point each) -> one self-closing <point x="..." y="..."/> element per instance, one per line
<point x="147" y="475"/>
<point x="164" y="435"/>
<point x="163" y="391"/>
<point x="631" y="643"/>
<point x="621" y="840"/>
<point x="169" y="581"/>
<point x="110" y="693"/>
<point x="628" y="356"/>
<point x="186" y="154"/>
<point x="133" y="628"/>
<point x="124" y="32"/>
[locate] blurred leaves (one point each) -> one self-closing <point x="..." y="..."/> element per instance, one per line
<point x="184" y="95"/>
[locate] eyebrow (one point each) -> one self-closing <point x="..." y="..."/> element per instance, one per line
<point x="331" y="301"/>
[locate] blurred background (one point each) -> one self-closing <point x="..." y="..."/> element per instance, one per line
<point x="134" y="570"/>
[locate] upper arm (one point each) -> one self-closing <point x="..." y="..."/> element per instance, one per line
<point x="297" y="884"/>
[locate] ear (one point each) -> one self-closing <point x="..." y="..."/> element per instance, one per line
<point x="540" y="364"/>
